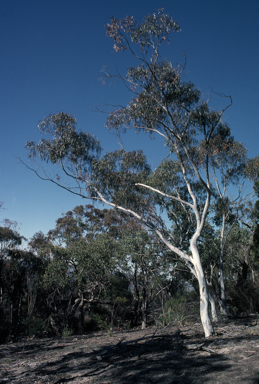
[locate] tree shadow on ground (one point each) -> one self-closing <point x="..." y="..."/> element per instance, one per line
<point x="163" y="357"/>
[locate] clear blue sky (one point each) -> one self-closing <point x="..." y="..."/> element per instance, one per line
<point x="52" y="52"/>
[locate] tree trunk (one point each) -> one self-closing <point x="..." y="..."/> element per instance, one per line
<point x="222" y="302"/>
<point x="137" y="304"/>
<point x="213" y="308"/>
<point x="212" y="295"/>
<point x="245" y="265"/>
<point x="204" y="294"/>
<point x="246" y="262"/>
<point x="144" y="309"/>
<point x="163" y="308"/>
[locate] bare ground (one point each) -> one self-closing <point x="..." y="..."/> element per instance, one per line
<point x="167" y="355"/>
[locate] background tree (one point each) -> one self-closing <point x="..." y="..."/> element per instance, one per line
<point x="9" y="239"/>
<point x="20" y="272"/>
<point x="137" y="258"/>
<point x="228" y="165"/>
<point x="143" y="264"/>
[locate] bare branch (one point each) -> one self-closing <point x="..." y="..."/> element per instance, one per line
<point x="165" y="194"/>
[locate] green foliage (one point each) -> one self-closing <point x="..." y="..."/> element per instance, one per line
<point x="33" y="325"/>
<point x="255" y="217"/>
<point x="93" y="259"/>
<point x="223" y="207"/>
<point x="251" y="171"/>
<point x="57" y="272"/>
<point x="117" y="172"/>
<point x="9" y="239"/>
<point x="244" y="298"/>
<point x="66" y="144"/>
<point x="118" y="290"/>
<point x="67" y="332"/>
<point x="153" y="31"/>
<point x="179" y="310"/>
<point x="101" y="320"/>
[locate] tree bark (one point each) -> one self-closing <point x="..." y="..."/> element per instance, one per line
<point x="144" y="309"/>
<point x="213" y="308"/>
<point x="222" y="302"/>
<point x="203" y="289"/>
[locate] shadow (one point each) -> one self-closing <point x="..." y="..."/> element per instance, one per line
<point x="157" y="359"/>
<point x="28" y="349"/>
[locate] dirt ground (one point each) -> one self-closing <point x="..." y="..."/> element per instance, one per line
<point x="168" y="355"/>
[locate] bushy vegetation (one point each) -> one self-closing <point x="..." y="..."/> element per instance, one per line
<point x="99" y="270"/>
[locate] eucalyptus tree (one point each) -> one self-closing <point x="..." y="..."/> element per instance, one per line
<point x="9" y="239"/>
<point x="252" y="171"/>
<point x="11" y="273"/>
<point x="250" y="220"/>
<point x="86" y="253"/>
<point x="147" y="265"/>
<point x="137" y="256"/>
<point x="228" y="162"/>
<point x="162" y="104"/>
<point x="256" y="218"/>
<point x="237" y="220"/>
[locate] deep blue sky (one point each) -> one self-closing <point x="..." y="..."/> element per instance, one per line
<point x="52" y="52"/>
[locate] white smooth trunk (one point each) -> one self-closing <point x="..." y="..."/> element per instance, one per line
<point x="204" y="294"/>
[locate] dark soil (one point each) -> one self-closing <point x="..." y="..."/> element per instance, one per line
<point x="167" y="355"/>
